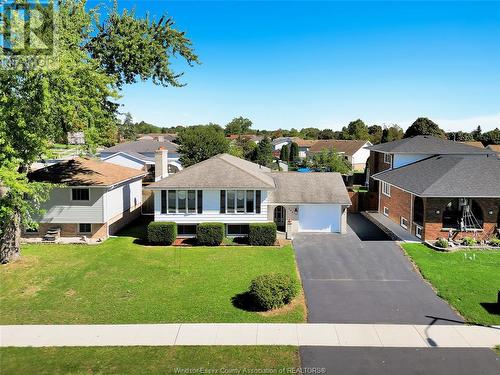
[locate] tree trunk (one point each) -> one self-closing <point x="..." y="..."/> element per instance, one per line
<point x="10" y="240"/>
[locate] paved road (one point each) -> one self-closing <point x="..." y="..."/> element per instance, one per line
<point x="362" y="277"/>
<point x="401" y="361"/>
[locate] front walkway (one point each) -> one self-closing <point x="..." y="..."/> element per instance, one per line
<point x="394" y="230"/>
<point x="332" y="335"/>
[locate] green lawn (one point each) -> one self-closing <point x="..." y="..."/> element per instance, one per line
<point x="469" y="280"/>
<point x="120" y="281"/>
<point x="144" y="360"/>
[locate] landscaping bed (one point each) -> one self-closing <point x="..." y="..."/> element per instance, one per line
<point x="146" y="360"/>
<point x="122" y="281"/>
<point x="468" y="279"/>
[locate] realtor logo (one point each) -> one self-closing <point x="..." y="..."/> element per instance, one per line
<point x="27" y="29"/>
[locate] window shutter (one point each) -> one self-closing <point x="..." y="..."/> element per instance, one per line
<point x="163" y="201"/>
<point x="257" y="201"/>
<point x="222" y="201"/>
<point x="200" y="201"/>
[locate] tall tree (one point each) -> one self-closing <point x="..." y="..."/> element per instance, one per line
<point x="329" y="161"/>
<point x="285" y="153"/>
<point x="75" y="91"/>
<point x="294" y="152"/>
<point x="238" y="125"/>
<point x="326" y="134"/>
<point x="126" y="129"/>
<point x="375" y="132"/>
<point x="247" y="146"/>
<point x="492" y="137"/>
<point x="201" y="142"/>
<point x="424" y="126"/>
<point x="356" y="130"/>
<point x="264" y="152"/>
<point x="477" y="133"/>
<point x="309" y="133"/>
<point x="459" y="136"/>
<point x="392" y="133"/>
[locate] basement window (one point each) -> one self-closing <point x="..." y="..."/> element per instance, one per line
<point x="418" y="231"/>
<point x="386" y="211"/>
<point x="85" y="228"/>
<point x="403" y="222"/>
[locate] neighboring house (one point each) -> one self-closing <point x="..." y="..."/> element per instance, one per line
<point x="278" y="143"/>
<point x="494" y="148"/>
<point x="92" y="198"/>
<point x="437" y="188"/>
<point x="160" y="137"/>
<point x="237" y="192"/>
<point x="355" y="151"/>
<point x="141" y="155"/>
<point x="304" y="146"/>
<point x="251" y="137"/>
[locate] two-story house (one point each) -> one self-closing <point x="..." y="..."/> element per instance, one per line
<point x="435" y="188"/>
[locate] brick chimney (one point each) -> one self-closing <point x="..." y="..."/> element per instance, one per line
<point x="161" y="163"/>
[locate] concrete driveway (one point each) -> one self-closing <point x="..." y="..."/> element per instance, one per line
<point x="363" y="277"/>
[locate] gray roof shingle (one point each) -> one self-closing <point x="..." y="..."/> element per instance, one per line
<point x="428" y="145"/>
<point x="142" y="146"/>
<point x="448" y="176"/>
<point x="221" y="171"/>
<point x="314" y="187"/>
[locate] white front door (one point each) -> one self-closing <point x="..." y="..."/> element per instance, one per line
<point x="319" y="217"/>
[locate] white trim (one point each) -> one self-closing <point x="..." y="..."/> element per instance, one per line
<point x="386" y="213"/>
<point x="385" y="186"/>
<point x="390" y="159"/>
<point x="401" y="219"/>
<point x="420" y="229"/>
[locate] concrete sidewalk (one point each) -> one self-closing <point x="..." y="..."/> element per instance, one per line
<point x="334" y="335"/>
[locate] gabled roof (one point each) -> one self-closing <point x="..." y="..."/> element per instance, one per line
<point x="133" y="155"/>
<point x="448" y="176"/>
<point x="85" y="172"/>
<point x="304" y="142"/>
<point x="222" y="171"/>
<point x="314" y="187"/>
<point x="348" y="147"/>
<point x="142" y="146"/>
<point x="279" y="140"/>
<point x="427" y="145"/>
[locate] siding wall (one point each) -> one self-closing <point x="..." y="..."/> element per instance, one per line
<point x="405" y="159"/>
<point x="61" y="209"/>
<point x="211" y="207"/>
<point x="124" y="161"/>
<point x="123" y="198"/>
<point x="359" y="158"/>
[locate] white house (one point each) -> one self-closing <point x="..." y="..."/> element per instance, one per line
<point x="93" y="198"/>
<point x="355" y="151"/>
<point x="141" y="155"/>
<point x="237" y="192"/>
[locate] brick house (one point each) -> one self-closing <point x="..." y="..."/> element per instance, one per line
<point x="90" y="198"/>
<point x="437" y="188"/>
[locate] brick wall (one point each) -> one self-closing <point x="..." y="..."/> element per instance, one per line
<point x="376" y="164"/>
<point x="433" y="221"/>
<point x="399" y="204"/>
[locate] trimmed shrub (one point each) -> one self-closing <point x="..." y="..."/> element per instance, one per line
<point x="273" y="290"/>
<point x="495" y="242"/>
<point x="468" y="241"/>
<point x="162" y="233"/>
<point x="262" y="234"/>
<point x="210" y="234"/>
<point x="442" y="242"/>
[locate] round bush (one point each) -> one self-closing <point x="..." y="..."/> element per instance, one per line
<point x="162" y="233"/>
<point x="210" y="234"/>
<point x="262" y="234"/>
<point x="442" y="242"/>
<point x="468" y="241"/>
<point x="273" y="290"/>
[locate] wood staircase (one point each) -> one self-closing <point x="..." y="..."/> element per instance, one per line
<point x="52" y="235"/>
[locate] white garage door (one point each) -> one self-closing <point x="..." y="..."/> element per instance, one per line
<point x="319" y="218"/>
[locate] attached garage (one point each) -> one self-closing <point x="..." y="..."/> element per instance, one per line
<point x="320" y="218"/>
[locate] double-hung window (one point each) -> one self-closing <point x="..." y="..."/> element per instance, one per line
<point x="388" y="159"/>
<point x="386" y="189"/>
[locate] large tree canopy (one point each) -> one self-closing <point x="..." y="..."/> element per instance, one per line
<point x="77" y="91"/>
<point x="356" y="130"/>
<point x="238" y="125"/>
<point x="201" y="142"/>
<point x="424" y="126"/>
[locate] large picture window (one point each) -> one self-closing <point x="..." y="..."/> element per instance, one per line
<point x="181" y="201"/>
<point x="238" y="201"/>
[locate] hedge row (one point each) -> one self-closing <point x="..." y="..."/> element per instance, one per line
<point x="211" y="234"/>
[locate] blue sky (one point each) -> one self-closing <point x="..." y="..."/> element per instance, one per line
<point x="298" y="64"/>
